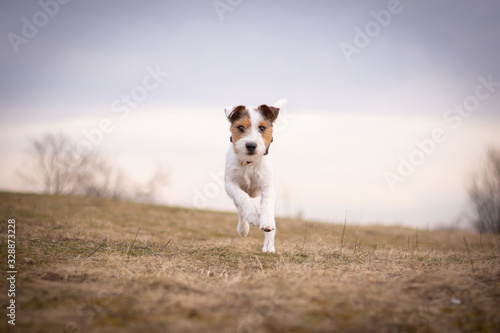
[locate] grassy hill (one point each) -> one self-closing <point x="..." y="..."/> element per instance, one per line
<point x="93" y="265"/>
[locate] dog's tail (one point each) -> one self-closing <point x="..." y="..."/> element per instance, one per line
<point x="281" y="103"/>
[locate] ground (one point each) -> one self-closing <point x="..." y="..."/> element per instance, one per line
<point x="96" y="265"/>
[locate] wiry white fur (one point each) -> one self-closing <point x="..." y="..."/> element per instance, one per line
<point x="228" y="110"/>
<point x="244" y="182"/>
<point x="281" y="103"/>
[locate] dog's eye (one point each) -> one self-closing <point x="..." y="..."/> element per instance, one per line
<point x="262" y="129"/>
<point x="241" y="129"/>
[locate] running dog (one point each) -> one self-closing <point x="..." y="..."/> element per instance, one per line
<point x="249" y="169"/>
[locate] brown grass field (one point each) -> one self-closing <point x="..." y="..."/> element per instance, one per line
<point x="80" y="270"/>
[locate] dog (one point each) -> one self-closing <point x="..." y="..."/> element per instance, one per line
<point x="249" y="170"/>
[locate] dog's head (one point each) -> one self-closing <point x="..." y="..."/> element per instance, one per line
<point x="251" y="130"/>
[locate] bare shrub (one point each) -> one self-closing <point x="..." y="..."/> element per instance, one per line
<point x="55" y="167"/>
<point x="484" y="192"/>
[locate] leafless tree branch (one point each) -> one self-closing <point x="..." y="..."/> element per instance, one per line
<point x="484" y="192"/>
<point x="56" y="168"/>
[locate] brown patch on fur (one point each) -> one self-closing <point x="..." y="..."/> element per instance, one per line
<point x="238" y="112"/>
<point x="269" y="112"/>
<point x="239" y="118"/>
<point x="267" y="135"/>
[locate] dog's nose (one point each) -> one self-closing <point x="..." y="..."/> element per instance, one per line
<point x="251" y="146"/>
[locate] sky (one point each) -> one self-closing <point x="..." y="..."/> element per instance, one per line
<point x="391" y="104"/>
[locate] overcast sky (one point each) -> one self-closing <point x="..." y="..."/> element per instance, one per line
<point x="365" y="80"/>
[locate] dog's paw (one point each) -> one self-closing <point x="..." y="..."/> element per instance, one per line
<point x="267" y="225"/>
<point x="243" y="228"/>
<point x="254" y="220"/>
<point x="267" y="228"/>
<point x="253" y="216"/>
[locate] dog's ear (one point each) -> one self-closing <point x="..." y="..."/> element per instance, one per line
<point x="232" y="112"/>
<point x="270" y="112"/>
<point x="228" y="110"/>
<point x="281" y="103"/>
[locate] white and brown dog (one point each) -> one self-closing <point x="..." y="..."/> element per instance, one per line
<point x="249" y="168"/>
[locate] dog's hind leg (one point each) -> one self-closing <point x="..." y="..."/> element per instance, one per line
<point x="243" y="226"/>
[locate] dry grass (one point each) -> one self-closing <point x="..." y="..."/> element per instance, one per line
<point x="189" y="271"/>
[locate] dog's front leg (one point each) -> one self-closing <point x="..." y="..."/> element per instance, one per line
<point x="267" y="222"/>
<point x="269" y="242"/>
<point x="267" y="204"/>
<point x="242" y="201"/>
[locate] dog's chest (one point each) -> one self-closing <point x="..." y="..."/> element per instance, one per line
<point x="249" y="180"/>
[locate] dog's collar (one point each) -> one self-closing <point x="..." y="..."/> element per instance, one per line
<point x="245" y="163"/>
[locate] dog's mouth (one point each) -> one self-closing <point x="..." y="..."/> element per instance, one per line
<point x="248" y="157"/>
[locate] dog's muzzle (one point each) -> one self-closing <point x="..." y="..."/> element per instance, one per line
<point x="251" y="147"/>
